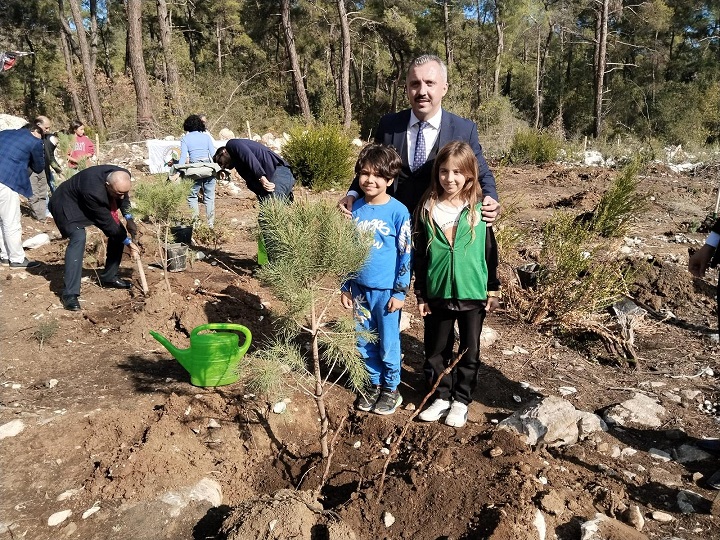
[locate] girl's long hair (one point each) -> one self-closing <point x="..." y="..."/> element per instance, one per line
<point x="471" y="192"/>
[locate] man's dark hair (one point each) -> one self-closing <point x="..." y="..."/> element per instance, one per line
<point x="193" y="123"/>
<point x="222" y="158"/>
<point x="382" y="160"/>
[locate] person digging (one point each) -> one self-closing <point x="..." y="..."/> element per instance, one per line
<point x="94" y="196"/>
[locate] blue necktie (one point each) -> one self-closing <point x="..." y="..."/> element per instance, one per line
<point x="419" y="157"/>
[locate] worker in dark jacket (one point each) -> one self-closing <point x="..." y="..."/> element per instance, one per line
<point x="94" y="196"/>
<point x="266" y="173"/>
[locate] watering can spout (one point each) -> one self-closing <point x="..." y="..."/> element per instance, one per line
<point x="181" y="355"/>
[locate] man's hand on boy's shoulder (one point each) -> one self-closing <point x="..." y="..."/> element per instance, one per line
<point x="345" y="205"/>
<point x="346" y="299"/>
<point x="395" y="304"/>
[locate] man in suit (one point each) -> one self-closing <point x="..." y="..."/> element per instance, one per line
<point x="94" y="196"/>
<point x="419" y="132"/>
<point x="265" y="173"/>
<point x="21" y="148"/>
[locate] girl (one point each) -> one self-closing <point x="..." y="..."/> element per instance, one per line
<point x="81" y="147"/>
<point x="455" y="278"/>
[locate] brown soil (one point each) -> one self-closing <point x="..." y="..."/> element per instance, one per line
<point x="126" y="431"/>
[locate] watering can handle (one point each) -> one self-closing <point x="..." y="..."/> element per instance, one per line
<point x="226" y="326"/>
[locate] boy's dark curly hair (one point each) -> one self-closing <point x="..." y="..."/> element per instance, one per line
<point x="193" y="123"/>
<point x="381" y="160"/>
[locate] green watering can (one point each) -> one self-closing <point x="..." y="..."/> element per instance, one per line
<point x="213" y="358"/>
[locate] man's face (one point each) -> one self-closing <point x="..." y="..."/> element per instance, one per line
<point x="426" y="85"/>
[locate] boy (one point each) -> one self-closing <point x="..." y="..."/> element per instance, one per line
<point x="377" y="293"/>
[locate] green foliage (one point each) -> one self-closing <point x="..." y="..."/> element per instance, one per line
<point x="507" y="233"/>
<point x="578" y="277"/>
<point x="265" y="368"/>
<point x="532" y="146"/>
<point x="45" y="331"/>
<point x="619" y="204"/>
<point x="161" y="201"/>
<point x="321" y="157"/>
<point x="312" y="249"/>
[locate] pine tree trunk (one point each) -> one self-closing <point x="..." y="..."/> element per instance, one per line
<point x="345" y="65"/>
<point x="319" y="395"/>
<point x="72" y="83"/>
<point x="137" y="65"/>
<point x="600" y="62"/>
<point x="93" y="97"/>
<point x="298" y="83"/>
<point x="93" y="34"/>
<point x="448" y="42"/>
<point x="499" y="48"/>
<point x="172" y="80"/>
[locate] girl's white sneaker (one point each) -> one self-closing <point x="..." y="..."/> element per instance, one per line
<point x="457" y="417"/>
<point x="438" y="409"/>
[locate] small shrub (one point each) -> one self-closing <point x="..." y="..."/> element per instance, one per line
<point x="578" y="277"/>
<point x="162" y="202"/>
<point x="531" y="146"/>
<point x="321" y="157"/>
<point x="507" y="234"/>
<point x="45" y="331"/>
<point x="212" y="237"/>
<point x="311" y="249"/>
<point x="619" y="203"/>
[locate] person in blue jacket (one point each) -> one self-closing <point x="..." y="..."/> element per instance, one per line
<point x="377" y="293"/>
<point x="21" y="148"/>
<point x="196" y="146"/>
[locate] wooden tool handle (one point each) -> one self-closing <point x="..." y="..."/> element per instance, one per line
<point x="143" y="281"/>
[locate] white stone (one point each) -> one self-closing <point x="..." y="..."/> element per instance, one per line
<point x="90" y="511"/>
<point x="488" y="337"/>
<point x="385" y="451"/>
<point x="518" y="349"/>
<point x="272" y="524"/>
<point x="388" y="519"/>
<point x="662" y="517"/>
<point x="524" y="385"/>
<point x="16" y="386"/>
<point x="280" y="407"/>
<point x="213" y="424"/>
<point x="52" y="383"/>
<point x="659" y="455"/>
<point x="540" y="525"/>
<point x="405" y="320"/>
<point x="554" y="421"/>
<point x="357" y="444"/>
<point x="567" y="390"/>
<point x="593" y="158"/>
<point x="58" y="517"/>
<point x="36" y="241"/>
<point x="627" y="452"/>
<point x="639" y="410"/>
<point x="205" y="490"/>
<point x="11" y="429"/>
<point x="67" y="494"/>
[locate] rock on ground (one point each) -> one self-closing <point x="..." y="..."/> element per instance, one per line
<point x="285" y="514"/>
<point x="640" y="410"/>
<point x="554" y="421"/>
<point x="606" y="528"/>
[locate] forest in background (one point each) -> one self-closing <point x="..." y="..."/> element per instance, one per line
<point x="611" y="69"/>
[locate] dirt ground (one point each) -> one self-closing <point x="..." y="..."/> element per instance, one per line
<point x="115" y="433"/>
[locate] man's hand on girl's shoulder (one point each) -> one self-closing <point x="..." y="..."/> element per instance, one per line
<point x="490" y="209"/>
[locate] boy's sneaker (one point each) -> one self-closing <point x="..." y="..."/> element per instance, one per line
<point x="457" y="417"/>
<point x="387" y="403"/>
<point x="366" y="400"/>
<point x="438" y="409"/>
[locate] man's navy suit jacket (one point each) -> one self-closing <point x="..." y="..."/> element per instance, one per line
<point x="410" y="186"/>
